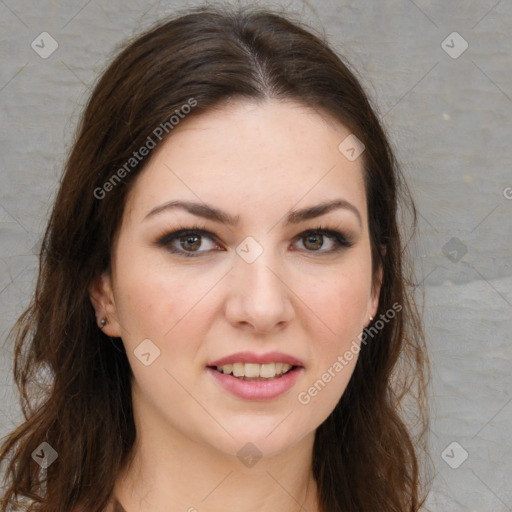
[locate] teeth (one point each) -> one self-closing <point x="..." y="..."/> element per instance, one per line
<point x="254" y="370"/>
<point x="251" y="370"/>
<point x="267" y="370"/>
<point x="238" y="369"/>
<point x="227" y="368"/>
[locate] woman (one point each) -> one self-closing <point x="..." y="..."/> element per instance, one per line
<point x="222" y="312"/>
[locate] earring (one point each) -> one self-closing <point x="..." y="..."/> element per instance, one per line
<point x="371" y="318"/>
<point x="103" y="322"/>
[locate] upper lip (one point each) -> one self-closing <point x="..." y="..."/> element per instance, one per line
<point x="252" y="357"/>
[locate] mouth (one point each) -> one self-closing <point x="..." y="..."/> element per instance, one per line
<point x="252" y="376"/>
<point x="254" y="372"/>
<point x="245" y="380"/>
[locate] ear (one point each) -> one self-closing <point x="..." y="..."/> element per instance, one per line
<point x="375" y="294"/>
<point x="376" y="286"/>
<point x="102" y="298"/>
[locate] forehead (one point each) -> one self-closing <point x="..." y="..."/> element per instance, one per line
<point x="259" y="157"/>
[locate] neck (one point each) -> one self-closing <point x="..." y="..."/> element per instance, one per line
<point x="182" y="474"/>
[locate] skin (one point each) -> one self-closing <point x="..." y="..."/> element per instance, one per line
<point x="258" y="161"/>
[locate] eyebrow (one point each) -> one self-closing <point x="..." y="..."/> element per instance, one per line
<point x="214" y="214"/>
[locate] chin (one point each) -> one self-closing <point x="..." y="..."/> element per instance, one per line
<point x="259" y="441"/>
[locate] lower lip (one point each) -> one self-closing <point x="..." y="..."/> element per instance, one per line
<point x="257" y="390"/>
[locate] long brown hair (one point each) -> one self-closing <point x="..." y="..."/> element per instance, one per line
<point x="75" y="381"/>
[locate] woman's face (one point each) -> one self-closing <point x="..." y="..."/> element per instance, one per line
<point x="259" y="288"/>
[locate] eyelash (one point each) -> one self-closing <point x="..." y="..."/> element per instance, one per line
<point x="341" y="241"/>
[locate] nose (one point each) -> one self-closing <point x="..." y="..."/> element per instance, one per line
<point x="260" y="298"/>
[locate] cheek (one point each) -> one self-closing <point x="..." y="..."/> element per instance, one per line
<point x="337" y="306"/>
<point x="161" y="302"/>
<point x="145" y="292"/>
<point x="339" y="300"/>
<point x="160" y="305"/>
<point x="145" y="304"/>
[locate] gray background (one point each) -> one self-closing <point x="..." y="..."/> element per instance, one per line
<point x="449" y="119"/>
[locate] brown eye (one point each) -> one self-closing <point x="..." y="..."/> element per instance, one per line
<point x="189" y="242"/>
<point x="192" y="242"/>
<point x="314" y="241"/>
<point x="196" y="241"/>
